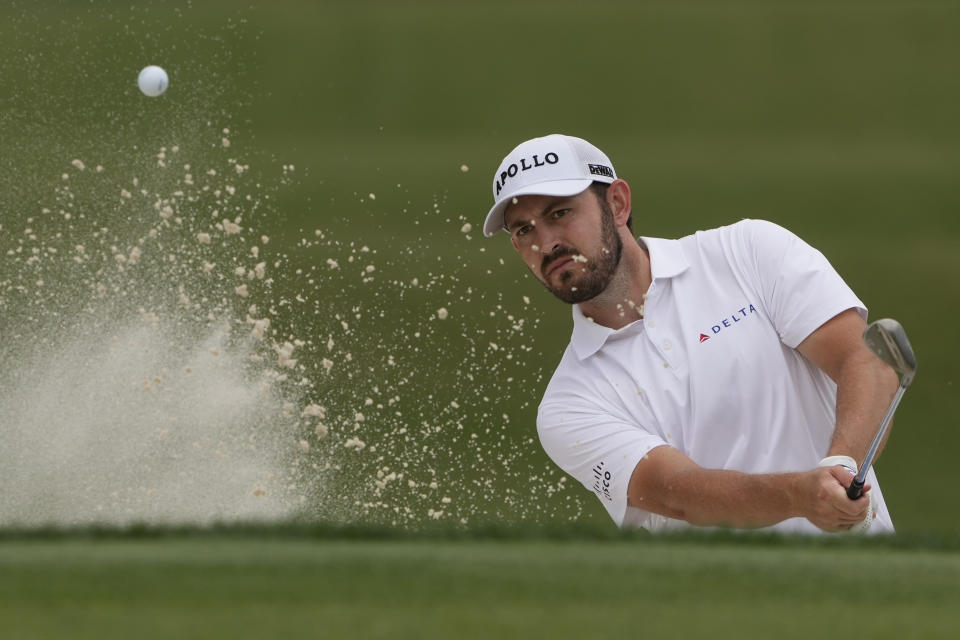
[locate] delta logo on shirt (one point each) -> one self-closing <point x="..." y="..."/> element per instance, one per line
<point x="730" y="321"/>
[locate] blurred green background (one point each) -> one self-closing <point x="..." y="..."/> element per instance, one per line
<point x="836" y="120"/>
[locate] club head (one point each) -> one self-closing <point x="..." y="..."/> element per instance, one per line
<point x="887" y="339"/>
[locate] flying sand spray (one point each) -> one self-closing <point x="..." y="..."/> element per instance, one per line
<point x="169" y="362"/>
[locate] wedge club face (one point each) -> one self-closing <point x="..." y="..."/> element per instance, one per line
<point x="887" y="339"/>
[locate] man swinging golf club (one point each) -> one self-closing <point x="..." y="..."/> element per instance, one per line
<point x="715" y="380"/>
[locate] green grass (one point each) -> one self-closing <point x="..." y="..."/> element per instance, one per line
<point x="291" y="583"/>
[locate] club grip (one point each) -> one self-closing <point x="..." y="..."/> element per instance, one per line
<point x="856" y="488"/>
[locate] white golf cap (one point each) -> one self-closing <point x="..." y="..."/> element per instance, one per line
<point x="554" y="165"/>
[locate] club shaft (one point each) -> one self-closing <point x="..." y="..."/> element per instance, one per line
<point x="878" y="439"/>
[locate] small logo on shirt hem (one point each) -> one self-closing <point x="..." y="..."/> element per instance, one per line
<point x="601" y="483"/>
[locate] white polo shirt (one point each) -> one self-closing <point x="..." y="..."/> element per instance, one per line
<point x="711" y="369"/>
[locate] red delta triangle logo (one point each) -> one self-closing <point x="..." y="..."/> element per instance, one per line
<point x="704" y="337"/>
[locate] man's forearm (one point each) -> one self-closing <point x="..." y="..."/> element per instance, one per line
<point x="865" y="384"/>
<point x="865" y="387"/>
<point x="732" y="498"/>
<point x="669" y="483"/>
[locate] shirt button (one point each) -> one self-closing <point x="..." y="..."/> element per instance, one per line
<point x="651" y="324"/>
<point x="666" y="365"/>
<point x="667" y="345"/>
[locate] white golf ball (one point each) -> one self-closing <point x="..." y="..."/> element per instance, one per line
<point x="153" y="81"/>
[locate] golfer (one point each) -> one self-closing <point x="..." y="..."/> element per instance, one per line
<point x="715" y="380"/>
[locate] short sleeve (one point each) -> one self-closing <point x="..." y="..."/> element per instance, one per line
<point x="800" y="288"/>
<point x="597" y="448"/>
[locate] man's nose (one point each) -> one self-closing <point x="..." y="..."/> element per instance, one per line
<point x="549" y="242"/>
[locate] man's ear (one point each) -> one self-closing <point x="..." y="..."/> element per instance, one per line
<point x="618" y="198"/>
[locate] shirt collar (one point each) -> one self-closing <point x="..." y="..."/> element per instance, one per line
<point x="666" y="261"/>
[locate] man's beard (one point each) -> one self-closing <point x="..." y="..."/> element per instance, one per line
<point x="596" y="274"/>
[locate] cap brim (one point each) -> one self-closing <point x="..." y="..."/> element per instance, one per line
<point x="494" y="222"/>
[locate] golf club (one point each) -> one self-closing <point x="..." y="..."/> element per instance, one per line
<point x="887" y="339"/>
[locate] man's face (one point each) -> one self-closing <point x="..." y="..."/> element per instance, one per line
<point x="570" y="244"/>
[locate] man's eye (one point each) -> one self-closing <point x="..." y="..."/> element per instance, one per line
<point x="522" y="230"/>
<point x="559" y="213"/>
